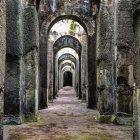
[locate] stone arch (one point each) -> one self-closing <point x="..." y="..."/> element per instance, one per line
<point x="87" y="21"/>
<point x="69" y="64"/>
<point x="73" y="67"/>
<point x="69" y="56"/>
<point x="47" y="20"/>
<point x="63" y="42"/>
<point x="70" y="61"/>
<point x="69" y="81"/>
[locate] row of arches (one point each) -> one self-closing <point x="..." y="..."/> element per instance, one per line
<point x="45" y="54"/>
<point x="41" y="57"/>
<point x="67" y="44"/>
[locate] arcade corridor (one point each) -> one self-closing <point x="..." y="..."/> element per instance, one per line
<point x="68" y="118"/>
<point x="70" y="69"/>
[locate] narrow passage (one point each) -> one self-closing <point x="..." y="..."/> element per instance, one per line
<point x="67" y="118"/>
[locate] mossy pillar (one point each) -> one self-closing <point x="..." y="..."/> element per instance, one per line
<point x="105" y="61"/>
<point x="31" y="44"/>
<point x="13" y="53"/>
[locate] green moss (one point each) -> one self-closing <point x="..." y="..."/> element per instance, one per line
<point x="105" y="118"/>
<point x="40" y="123"/>
<point x="123" y="121"/>
<point x="31" y="117"/>
<point x="104" y="136"/>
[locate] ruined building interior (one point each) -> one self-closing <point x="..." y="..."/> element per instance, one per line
<point x="70" y="69"/>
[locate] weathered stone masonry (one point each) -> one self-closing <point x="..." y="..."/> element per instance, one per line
<point x="115" y="59"/>
<point x="105" y="59"/>
<point x="136" y="51"/>
<point x="124" y="60"/>
<point x="2" y="56"/>
<point x="21" y="84"/>
<point x="110" y="80"/>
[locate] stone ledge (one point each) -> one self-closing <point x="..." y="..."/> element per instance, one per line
<point x="12" y="120"/>
<point x="105" y="118"/>
<point x="123" y="121"/>
<point x="118" y="120"/>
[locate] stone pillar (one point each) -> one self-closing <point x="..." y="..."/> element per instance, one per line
<point x="136" y="98"/>
<point x="80" y="92"/>
<point x="92" y="100"/>
<point x="2" y="57"/>
<point x="13" y="53"/>
<point x="83" y="72"/>
<point x="50" y="71"/>
<point x="31" y="58"/>
<point x="43" y="69"/>
<point x="105" y="61"/>
<point x="55" y="75"/>
<point x="123" y="43"/>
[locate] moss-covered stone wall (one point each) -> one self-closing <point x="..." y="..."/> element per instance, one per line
<point x="30" y="56"/>
<point x="13" y="54"/>
<point x="21" y="85"/>
<point x="12" y="86"/>
<point x="14" y="21"/>
<point x="105" y="58"/>
<point x="124" y="59"/>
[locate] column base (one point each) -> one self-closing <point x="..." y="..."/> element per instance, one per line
<point x="105" y="118"/>
<point x="123" y="121"/>
<point x="9" y="120"/>
<point x="31" y="117"/>
<point x="118" y="120"/>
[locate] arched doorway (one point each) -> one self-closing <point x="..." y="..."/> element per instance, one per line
<point x="67" y="78"/>
<point x="47" y="64"/>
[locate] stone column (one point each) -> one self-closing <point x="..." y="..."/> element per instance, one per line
<point x="2" y="57"/>
<point x="31" y="58"/>
<point x="80" y="92"/>
<point x="83" y="72"/>
<point x="50" y="71"/>
<point x="43" y="68"/>
<point x="136" y="98"/>
<point x="92" y="100"/>
<point x="123" y="43"/>
<point x="13" y="54"/>
<point x="105" y="61"/>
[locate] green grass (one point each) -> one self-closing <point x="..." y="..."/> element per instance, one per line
<point x="40" y="123"/>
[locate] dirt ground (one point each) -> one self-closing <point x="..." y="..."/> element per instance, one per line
<point x="67" y="118"/>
